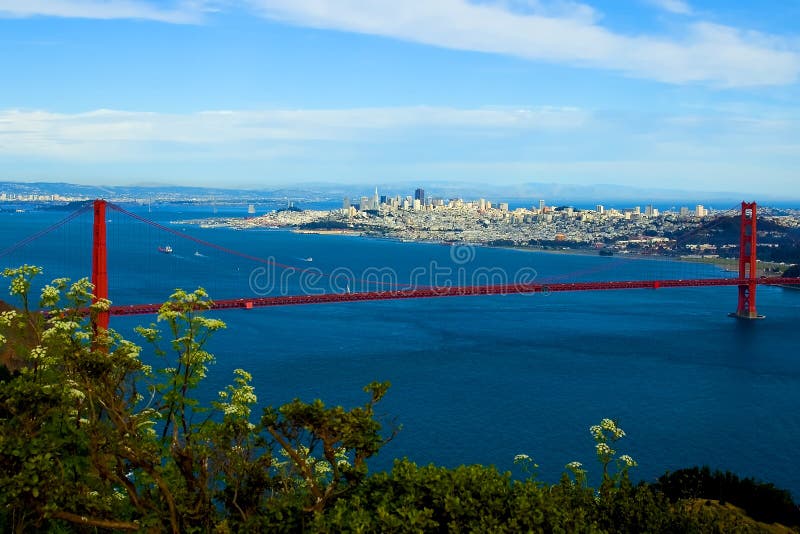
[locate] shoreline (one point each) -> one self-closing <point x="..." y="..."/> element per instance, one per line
<point x="726" y="264"/>
<point x="325" y="232"/>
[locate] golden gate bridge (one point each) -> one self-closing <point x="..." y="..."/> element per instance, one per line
<point x="746" y="282"/>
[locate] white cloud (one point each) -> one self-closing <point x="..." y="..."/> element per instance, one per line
<point x="707" y="53"/>
<point x="185" y="12"/>
<point x="109" y="134"/>
<point x="679" y="7"/>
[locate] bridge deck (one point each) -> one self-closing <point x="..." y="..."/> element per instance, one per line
<point x="504" y="289"/>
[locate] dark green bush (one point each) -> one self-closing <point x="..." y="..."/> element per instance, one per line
<point x="762" y="501"/>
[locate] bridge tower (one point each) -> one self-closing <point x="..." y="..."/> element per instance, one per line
<point x="748" y="271"/>
<point x="99" y="263"/>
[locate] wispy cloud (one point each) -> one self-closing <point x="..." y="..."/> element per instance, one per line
<point x="679" y="7"/>
<point x="183" y="12"/>
<point x="706" y="53"/>
<point x="718" y="149"/>
<point x="109" y="133"/>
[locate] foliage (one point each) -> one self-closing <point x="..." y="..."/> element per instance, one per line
<point x="481" y="499"/>
<point x="90" y="436"/>
<point x="762" y="501"/>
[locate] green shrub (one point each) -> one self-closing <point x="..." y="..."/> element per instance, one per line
<point x="762" y="501"/>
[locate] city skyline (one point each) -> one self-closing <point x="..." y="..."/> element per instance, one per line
<point x="700" y="95"/>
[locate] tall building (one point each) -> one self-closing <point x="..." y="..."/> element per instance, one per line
<point x="346" y="203"/>
<point x="700" y="211"/>
<point x="541" y="206"/>
<point x="600" y="209"/>
<point x="419" y="194"/>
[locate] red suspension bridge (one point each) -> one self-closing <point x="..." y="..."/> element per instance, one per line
<point x="746" y="281"/>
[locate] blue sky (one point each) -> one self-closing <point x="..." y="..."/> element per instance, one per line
<point x="699" y="95"/>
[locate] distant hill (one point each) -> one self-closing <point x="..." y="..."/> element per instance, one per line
<point x="159" y="192"/>
<point x="553" y="193"/>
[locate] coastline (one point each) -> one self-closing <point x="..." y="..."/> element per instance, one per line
<point x="561" y="251"/>
<point x="726" y="264"/>
<point x="325" y="232"/>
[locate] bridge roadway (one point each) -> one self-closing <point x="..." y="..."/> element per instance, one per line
<point x="428" y="292"/>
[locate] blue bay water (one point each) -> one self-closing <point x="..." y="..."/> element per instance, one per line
<point x="480" y="379"/>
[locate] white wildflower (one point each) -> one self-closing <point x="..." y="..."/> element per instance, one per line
<point x="7" y="317"/>
<point x="38" y="353"/>
<point x="50" y="296"/>
<point x="604" y="450"/>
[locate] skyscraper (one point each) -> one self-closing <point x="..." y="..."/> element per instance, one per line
<point x="419" y="194"/>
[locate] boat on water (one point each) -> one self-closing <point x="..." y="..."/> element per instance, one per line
<point x="165" y="249"/>
<point x="197" y="253"/>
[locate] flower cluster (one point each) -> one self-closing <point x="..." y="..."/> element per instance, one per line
<point x="21" y="278"/>
<point x="606" y="426"/>
<point x="604" y="450"/>
<point x="236" y="400"/>
<point x="50" y="296"/>
<point x="604" y="435"/>
<point x="320" y="469"/>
